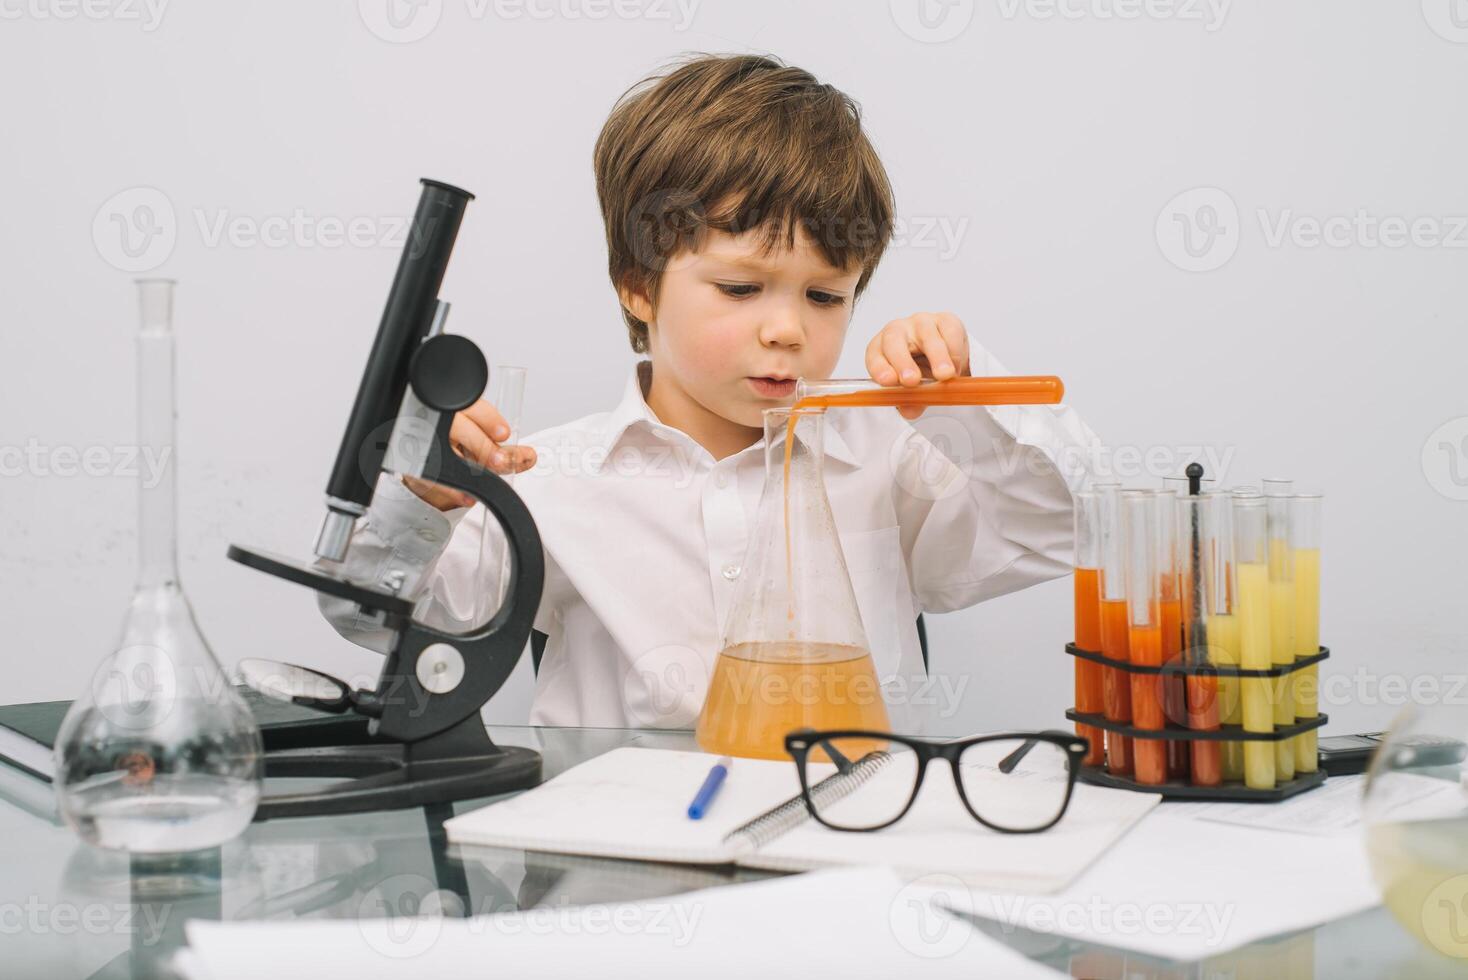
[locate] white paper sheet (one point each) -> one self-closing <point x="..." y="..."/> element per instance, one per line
<point x="848" y="923"/>
<point x="1185" y="888"/>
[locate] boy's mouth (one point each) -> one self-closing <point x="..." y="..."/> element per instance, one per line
<point x="772" y="387"/>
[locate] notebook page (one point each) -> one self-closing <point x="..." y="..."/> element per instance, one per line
<point x="632" y="802"/>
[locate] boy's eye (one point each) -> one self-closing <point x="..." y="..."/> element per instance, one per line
<point x="737" y="289"/>
<point x="823" y="298"/>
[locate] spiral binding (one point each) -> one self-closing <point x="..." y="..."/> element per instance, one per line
<point x="834" y="788"/>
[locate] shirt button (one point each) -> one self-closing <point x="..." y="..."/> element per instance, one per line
<point x="428" y="535"/>
<point x="721" y="480"/>
<point x="731" y="572"/>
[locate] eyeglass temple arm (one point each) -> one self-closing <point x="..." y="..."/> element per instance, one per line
<point x="843" y="764"/>
<point x="1008" y="763"/>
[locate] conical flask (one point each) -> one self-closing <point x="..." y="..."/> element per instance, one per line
<point x="794" y="653"/>
<point x="159" y="754"/>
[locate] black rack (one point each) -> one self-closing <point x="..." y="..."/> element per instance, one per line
<point x="1173" y="789"/>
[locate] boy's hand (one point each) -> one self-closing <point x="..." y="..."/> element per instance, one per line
<point x="924" y="345"/>
<point x="473" y="435"/>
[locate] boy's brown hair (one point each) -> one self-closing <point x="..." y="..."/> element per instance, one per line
<point x="736" y="143"/>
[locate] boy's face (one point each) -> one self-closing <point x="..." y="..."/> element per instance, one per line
<point x="735" y="326"/>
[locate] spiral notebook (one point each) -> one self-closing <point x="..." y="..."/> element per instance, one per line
<point x="632" y="803"/>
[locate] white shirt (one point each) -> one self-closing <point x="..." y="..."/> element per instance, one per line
<point x="645" y="533"/>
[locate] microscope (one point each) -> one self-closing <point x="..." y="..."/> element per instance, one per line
<point x="427" y="743"/>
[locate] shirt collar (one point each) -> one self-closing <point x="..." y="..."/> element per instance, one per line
<point x="633" y="410"/>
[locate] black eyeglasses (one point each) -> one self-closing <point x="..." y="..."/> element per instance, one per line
<point x="1012" y="783"/>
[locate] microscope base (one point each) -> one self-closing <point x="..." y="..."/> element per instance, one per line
<point x="458" y="764"/>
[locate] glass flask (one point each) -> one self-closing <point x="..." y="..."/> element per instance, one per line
<point x="159" y="754"/>
<point x="794" y="652"/>
<point x="507" y="395"/>
<point x="1416" y="817"/>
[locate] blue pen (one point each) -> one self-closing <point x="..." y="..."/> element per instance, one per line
<point x="709" y="789"/>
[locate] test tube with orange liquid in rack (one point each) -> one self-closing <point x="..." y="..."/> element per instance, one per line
<point x="1116" y="687"/>
<point x="1089" y="696"/>
<point x="1144" y="630"/>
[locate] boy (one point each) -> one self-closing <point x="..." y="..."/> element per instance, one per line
<point x="745" y="212"/>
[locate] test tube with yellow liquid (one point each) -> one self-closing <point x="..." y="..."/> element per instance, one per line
<point x="1305" y="518"/>
<point x="1252" y="611"/>
<point x="1223" y="624"/>
<point x="1277" y="494"/>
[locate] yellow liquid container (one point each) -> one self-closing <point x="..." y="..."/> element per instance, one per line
<point x="1281" y="616"/>
<point x="1254" y="634"/>
<point x="762" y="691"/>
<point x="1422" y="868"/>
<point x="1223" y="645"/>
<point x="1282" y="653"/>
<point x="1305" y="533"/>
<point x="794" y="651"/>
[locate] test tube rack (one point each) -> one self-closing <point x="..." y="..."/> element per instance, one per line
<point x="1171" y="731"/>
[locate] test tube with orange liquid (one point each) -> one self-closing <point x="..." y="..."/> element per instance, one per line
<point x="1196" y="515"/>
<point x="1116" y="690"/>
<point x="866" y="393"/>
<point x="1144" y="630"/>
<point x="1169" y="605"/>
<point x="1090" y="698"/>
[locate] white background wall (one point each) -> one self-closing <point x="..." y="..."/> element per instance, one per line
<point x="1048" y="148"/>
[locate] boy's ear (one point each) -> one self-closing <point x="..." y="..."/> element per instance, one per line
<point x="634" y="300"/>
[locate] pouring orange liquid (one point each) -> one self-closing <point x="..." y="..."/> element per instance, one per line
<point x="751" y="707"/>
<point x="1015" y="390"/>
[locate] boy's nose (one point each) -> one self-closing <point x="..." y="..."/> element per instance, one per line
<point x="782" y="327"/>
